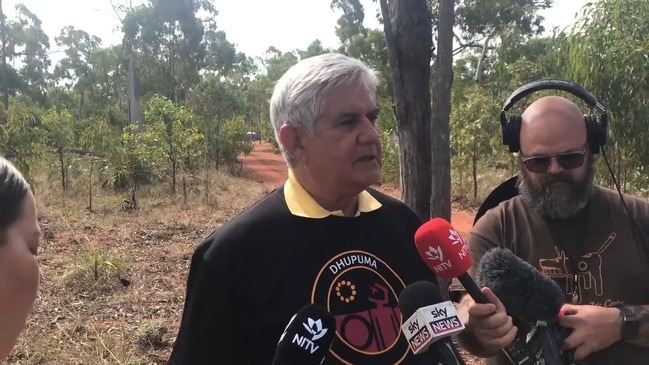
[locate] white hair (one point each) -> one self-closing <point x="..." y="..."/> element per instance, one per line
<point x="300" y="95"/>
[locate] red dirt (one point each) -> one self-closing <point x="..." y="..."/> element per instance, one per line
<point x="269" y="168"/>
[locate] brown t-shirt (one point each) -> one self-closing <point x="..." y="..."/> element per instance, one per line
<point x="612" y="268"/>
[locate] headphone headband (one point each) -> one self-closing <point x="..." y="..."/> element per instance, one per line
<point x="554" y="84"/>
<point x="511" y="128"/>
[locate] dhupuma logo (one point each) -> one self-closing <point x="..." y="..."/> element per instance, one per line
<point x="589" y="265"/>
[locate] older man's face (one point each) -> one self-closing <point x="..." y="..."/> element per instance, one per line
<point x="345" y="150"/>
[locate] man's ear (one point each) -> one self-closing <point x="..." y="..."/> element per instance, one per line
<point x="289" y="135"/>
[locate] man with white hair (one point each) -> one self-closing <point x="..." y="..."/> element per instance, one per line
<point x="324" y="237"/>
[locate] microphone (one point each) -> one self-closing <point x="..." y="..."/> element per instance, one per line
<point x="307" y="337"/>
<point x="444" y="251"/>
<point x="530" y="296"/>
<point x="527" y="293"/>
<point x="431" y="323"/>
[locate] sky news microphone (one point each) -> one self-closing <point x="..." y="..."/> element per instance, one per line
<point x="531" y="297"/>
<point x="307" y="337"/>
<point x="430" y="323"/>
<point x="443" y="250"/>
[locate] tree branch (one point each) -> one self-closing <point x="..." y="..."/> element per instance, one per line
<point x="483" y="56"/>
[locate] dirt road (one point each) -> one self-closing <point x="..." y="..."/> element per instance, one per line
<point x="269" y="168"/>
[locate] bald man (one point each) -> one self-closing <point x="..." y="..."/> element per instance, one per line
<point x="567" y="227"/>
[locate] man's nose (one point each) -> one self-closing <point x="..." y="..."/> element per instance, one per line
<point x="369" y="133"/>
<point x="555" y="167"/>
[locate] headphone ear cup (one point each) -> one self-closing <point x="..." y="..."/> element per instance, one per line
<point x="511" y="133"/>
<point x="596" y="133"/>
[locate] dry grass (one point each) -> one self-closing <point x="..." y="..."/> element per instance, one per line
<point x="114" y="281"/>
<point x="487" y="179"/>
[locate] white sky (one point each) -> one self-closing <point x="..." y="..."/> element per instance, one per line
<point x="253" y="25"/>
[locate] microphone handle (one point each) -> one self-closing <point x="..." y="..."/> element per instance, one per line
<point x="517" y="352"/>
<point x="445" y="354"/>
<point x="472" y="288"/>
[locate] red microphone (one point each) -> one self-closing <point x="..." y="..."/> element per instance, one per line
<point x="443" y="250"/>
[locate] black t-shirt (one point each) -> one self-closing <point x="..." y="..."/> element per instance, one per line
<point x="250" y="276"/>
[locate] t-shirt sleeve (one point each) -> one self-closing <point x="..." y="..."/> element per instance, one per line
<point x="485" y="235"/>
<point x="210" y="329"/>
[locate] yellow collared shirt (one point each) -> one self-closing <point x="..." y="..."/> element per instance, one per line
<point x="301" y="204"/>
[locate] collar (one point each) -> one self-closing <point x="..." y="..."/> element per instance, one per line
<point x="300" y="202"/>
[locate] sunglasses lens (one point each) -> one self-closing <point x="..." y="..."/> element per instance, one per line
<point x="567" y="161"/>
<point x="571" y="160"/>
<point x="538" y="164"/>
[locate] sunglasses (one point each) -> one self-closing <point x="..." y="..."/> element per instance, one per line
<point x="568" y="160"/>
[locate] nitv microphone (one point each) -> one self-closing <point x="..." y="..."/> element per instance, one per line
<point x="443" y="250"/>
<point x="307" y="337"/>
<point x="530" y="296"/>
<point x="431" y="323"/>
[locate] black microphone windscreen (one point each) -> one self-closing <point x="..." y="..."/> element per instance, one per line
<point x="307" y="337"/>
<point x="418" y="295"/>
<point x="527" y="293"/>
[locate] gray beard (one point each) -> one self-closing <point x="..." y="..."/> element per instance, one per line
<point x="558" y="197"/>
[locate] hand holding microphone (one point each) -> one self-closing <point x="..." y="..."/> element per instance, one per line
<point x="529" y="296"/>
<point x="444" y="251"/>
<point x="492" y="326"/>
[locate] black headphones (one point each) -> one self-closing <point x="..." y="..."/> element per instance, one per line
<point x="596" y="131"/>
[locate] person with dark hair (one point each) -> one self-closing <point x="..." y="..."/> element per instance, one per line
<point x="19" y="237"/>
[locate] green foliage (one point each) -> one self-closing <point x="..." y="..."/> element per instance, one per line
<point x="609" y="55"/>
<point x="21" y="136"/>
<point x="233" y="141"/>
<point x="59" y="135"/>
<point x="475" y="135"/>
<point x="484" y="17"/>
<point x="135" y="159"/>
<point x="387" y="127"/>
<point x="199" y="95"/>
<point x="174" y="132"/>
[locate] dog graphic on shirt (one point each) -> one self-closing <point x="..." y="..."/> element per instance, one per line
<point x="589" y="268"/>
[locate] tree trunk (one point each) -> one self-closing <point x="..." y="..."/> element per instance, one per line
<point x="440" y="202"/>
<point x="174" y="172"/>
<point x="408" y="31"/>
<point x="5" y="71"/>
<point x="206" y="197"/>
<point x="618" y="152"/>
<point x="474" y="171"/>
<point x="134" y="110"/>
<point x="483" y="55"/>
<point x="82" y="95"/>
<point x="184" y="189"/>
<point x="90" y="185"/>
<point x="64" y="184"/>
